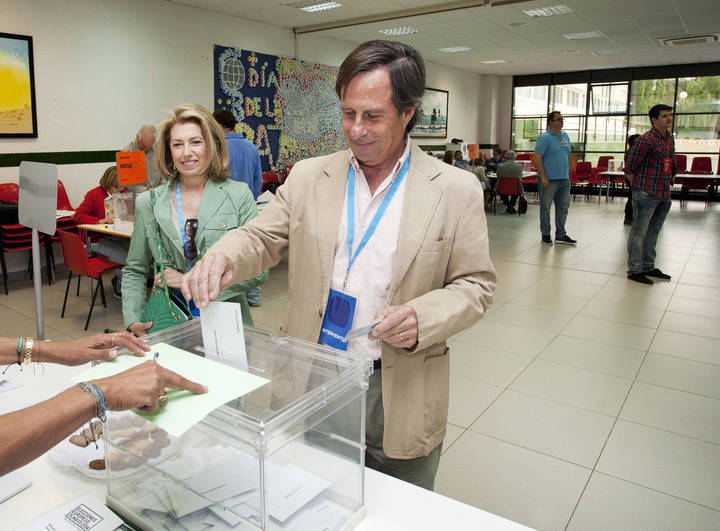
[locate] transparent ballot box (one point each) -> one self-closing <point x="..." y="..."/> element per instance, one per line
<point x="287" y="455"/>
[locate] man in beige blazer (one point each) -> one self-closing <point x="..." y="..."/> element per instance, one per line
<point x="425" y="271"/>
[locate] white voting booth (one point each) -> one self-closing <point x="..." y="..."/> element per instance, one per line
<point x="37" y="209"/>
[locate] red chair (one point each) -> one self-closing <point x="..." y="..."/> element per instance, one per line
<point x="681" y="163"/>
<point x="77" y="261"/>
<point x="602" y="164"/>
<point x="524" y="156"/>
<point x="701" y="166"/>
<point x="16" y="237"/>
<point x="9" y="193"/>
<point x="270" y="180"/>
<point x="506" y="186"/>
<point x="63" y="202"/>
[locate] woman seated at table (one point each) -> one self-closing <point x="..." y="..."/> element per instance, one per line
<point x="92" y="211"/>
<point x="30" y="432"/>
<point x="194" y="207"/>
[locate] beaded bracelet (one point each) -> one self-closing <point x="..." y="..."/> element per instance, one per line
<point x="98" y="397"/>
<point x="19" y="348"/>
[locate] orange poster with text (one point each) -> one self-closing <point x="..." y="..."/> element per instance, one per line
<point x="131" y="167"/>
<point x="473" y="151"/>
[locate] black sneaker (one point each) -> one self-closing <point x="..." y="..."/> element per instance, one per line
<point x="546" y="240"/>
<point x="640" y="277"/>
<point x="117" y="292"/>
<point x="566" y="240"/>
<point x="657" y="274"/>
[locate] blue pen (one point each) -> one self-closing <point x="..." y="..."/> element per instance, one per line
<point x="157" y="355"/>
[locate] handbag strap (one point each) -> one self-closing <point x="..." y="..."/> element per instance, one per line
<point x="161" y="254"/>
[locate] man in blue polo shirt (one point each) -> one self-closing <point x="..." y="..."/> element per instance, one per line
<point x="552" y="160"/>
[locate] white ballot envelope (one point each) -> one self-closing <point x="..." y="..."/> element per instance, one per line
<point x="222" y="332"/>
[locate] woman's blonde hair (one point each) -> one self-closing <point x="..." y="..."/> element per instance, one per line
<point x="109" y="178"/>
<point x="217" y="151"/>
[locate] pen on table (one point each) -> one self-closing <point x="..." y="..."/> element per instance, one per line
<point x="156" y="356"/>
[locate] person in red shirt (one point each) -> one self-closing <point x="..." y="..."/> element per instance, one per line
<point x="92" y="211"/>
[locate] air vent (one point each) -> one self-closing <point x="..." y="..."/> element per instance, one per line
<point x="690" y="39"/>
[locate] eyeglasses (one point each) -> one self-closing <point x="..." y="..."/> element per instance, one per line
<point x="189" y="247"/>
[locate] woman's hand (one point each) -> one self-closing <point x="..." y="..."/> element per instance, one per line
<point x="95" y="347"/>
<point x="139" y="328"/>
<point x="104" y="221"/>
<point x="143" y="385"/>
<point x="172" y="277"/>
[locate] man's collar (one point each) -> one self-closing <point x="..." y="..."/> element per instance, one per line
<point x="667" y="131"/>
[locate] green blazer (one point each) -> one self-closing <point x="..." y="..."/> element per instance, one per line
<point x="223" y="206"/>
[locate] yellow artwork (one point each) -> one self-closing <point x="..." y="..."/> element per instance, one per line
<point x="17" y="94"/>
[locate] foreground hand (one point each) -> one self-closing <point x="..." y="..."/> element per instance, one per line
<point x="142" y="386"/>
<point x="545" y="182"/>
<point x="103" y="221"/>
<point x="398" y="326"/>
<point x="207" y="279"/>
<point x="95" y="347"/>
<point x="139" y="328"/>
<point x="172" y="277"/>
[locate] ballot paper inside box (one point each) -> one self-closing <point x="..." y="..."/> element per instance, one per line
<point x="288" y="455"/>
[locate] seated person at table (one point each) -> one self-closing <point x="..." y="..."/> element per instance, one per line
<point x="32" y="431"/>
<point x="448" y="157"/>
<point x="460" y="162"/>
<point x="92" y="211"/>
<point x="511" y="169"/>
<point x="195" y="206"/>
<point x="491" y="164"/>
<point x="477" y="167"/>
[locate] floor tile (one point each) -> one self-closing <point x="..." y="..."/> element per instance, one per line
<point x="687" y="346"/>
<point x="452" y="433"/>
<point x="524" y="486"/>
<point x="667" y="462"/>
<point x="492" y="366"/>
<point x="544" y="301"/>
<point x="695" y="307"/>
<point x="468" y="399"/>
<point x="545" y="320"/>
<point x="552" y="286"/>
<point x="683" y="375"/>
<point x="691" y="324"/>
<point x="572" y="386"/>
<point x="698" y="292"/>
<point x="555" y="429"/>
<point x="590" y="355"/>
<point x="613" y="333"/>
<point x="611" y="503"/>
<point x="516" y="339"/>
<point x="623" y="313"/>
<point x="649" y="298"/>
<point x="675" y="411"/>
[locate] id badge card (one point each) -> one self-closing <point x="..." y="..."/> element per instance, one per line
<point x="667" y="166"/>
<point x="338" y="320"/>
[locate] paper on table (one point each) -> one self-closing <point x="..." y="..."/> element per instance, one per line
<point x="184" y="409"/>
<point x="79" y="514"/>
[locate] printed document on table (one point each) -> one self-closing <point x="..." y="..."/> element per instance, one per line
<point x="80" y="514"/>
<point x="184" y="409"/>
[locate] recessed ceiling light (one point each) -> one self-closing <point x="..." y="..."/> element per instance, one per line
<point x="400" y="30"/>
<point x="559" y="9"/>
<point x="584" y="35"/>
<point x="608" y="52"/>
<point x="519" y="24"/>
<point x="455" y="49"/>
<point x="571" y="52"/>
<point x="495" y="62"/>
<point x="312" y="6"/>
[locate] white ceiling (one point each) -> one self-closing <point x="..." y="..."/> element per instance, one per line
<point x="629" y="25"/>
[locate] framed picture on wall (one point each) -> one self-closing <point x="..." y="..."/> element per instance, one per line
<point x="433" y="114"/>
<point x="18" y="117"/>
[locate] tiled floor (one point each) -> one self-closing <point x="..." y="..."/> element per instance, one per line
<point x="582" y="401"/>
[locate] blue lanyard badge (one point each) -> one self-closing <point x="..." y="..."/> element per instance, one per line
<point x="338" y="320"/>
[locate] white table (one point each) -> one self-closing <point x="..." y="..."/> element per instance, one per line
<point x="391" y="504"/>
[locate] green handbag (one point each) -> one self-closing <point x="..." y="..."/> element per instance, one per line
<point x="161" y="308"/>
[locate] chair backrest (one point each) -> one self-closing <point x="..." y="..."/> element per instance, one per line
<point x="9" y="192"/>
<point x="583" y="170"/>
<point x="270" y="177"/>
<point x="602" y="164"/>
<point x="508" y="186"/>
<point x="681" y="163"/>
<point x="702" y="165"/>
<point x="524" y="156"/>
<point x="63" y="202"/>
<point x="74" y="254"/>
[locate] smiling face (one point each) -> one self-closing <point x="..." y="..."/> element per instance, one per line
<point x="374" y="128"/>
<point x="663" y="122"/>
<point x="189" y="149"/>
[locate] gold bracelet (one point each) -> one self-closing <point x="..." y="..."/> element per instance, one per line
<point x="29" y="343"/>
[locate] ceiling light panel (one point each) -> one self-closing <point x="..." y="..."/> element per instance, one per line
<point x="400" y="30"/>
<point x="559" y="9"/>
<point x="496" y="62"/>
<point x="584" y="35"/>
<point x="311" y="6"/>
<point x="608" y="52"/>
<point x="455" y="49"/>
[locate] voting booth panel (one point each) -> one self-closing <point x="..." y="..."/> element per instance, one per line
<point x="287" y="455"/>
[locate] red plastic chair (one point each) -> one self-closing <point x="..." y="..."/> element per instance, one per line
<point x="77" y="261"/>
<point x="9" y="192"/>
<point x="524" y="156"/>
<point x="63" y="202"/>
<point x="701" y="166"/>
<point x="681" y="163"/>
<point x="506" y="186"/>
<point x="16" y="237"/>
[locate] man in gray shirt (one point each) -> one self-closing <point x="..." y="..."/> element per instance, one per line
<point x="510" y="168"/>
<point x="145" y="141"/>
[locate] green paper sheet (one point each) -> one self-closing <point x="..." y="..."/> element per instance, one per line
<point x="184" y="409"/>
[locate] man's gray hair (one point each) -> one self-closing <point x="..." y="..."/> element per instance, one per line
<point x="509" y="155"/>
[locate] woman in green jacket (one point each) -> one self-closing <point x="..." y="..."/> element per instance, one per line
<point x="195" y="206"/>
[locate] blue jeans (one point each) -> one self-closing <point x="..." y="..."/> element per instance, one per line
<point x="649" y="214"/>
<point x="559" y="193"/>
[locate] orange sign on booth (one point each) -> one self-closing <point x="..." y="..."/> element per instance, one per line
<point x="473" y="151"/>
<point x="131" y="167"/>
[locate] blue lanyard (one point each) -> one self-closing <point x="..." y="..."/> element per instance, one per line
<point x="378" y="214"/>
<point x="181" y="220"/>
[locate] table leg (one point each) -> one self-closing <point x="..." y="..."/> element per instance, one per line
<point x="600" y="188"/>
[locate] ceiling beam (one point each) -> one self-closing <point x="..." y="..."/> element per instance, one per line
<point x="405" y="13"/>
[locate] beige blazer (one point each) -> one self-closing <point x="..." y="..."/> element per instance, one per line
<point x="442" y="270"/>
